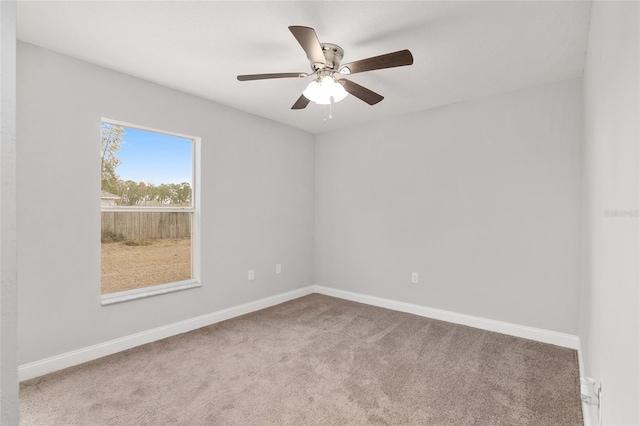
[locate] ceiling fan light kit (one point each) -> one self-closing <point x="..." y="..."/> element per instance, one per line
<point x="325" y="91"/>
<point x="329" y="86"/>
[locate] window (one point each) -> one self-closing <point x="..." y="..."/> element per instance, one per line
<point x="149" y="218"/>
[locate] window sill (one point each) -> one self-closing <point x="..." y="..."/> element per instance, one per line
<point x="125" y="296"/>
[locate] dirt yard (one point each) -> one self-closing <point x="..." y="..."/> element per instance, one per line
<point x="162" y="261"/>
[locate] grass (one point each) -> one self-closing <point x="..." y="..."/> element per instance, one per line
<point x="108" y="237"/>
<point x="135" y="243"/>
<point x="111" y="237"/>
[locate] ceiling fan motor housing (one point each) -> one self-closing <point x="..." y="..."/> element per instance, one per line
<point x="333" y="55"/>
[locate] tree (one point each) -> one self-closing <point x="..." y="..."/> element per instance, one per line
<point x="181" y="193"/>
<point x="162" y="193"/>
<point x="111" y="142"/>
<point x="134" y="193"/>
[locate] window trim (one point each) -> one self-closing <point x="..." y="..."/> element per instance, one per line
<point x="195" y="281"/>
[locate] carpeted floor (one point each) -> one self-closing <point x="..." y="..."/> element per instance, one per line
<point x="317" y="360"/>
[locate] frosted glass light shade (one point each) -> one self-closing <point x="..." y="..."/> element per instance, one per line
<point x="313" y="92"/>
<point x="322" y="92"/>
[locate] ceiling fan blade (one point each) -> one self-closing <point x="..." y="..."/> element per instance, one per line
<point x="389" y="60"/>
<point x="275" y="75"/>
<point x="301" y="103"/>
<point x="309" y="41"/>
<point x="360" y="92"/>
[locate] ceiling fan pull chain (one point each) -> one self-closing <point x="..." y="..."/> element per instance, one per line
<point x="330" y="103"/>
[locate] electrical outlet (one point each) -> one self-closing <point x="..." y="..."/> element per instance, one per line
<point x="414" y="277"/>
<point x="252" y="275"/>
<point x="278" y="268"/>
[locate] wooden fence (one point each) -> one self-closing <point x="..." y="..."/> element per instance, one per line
<point x="147" y="225"/>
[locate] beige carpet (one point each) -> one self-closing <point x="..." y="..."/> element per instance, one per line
<point x="317" y="360"/>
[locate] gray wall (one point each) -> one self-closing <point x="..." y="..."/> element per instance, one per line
<point x="257" y="203"/>
<point x="8" y="287"/>
<point x="481" y="198"/>
<point x="610" y="324"/>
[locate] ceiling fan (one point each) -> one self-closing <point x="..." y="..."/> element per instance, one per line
<point x="329" y="84"/>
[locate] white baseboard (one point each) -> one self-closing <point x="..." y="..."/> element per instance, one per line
<point x="545" y="336"/>
<point x="79" y="356"/>
<point x="69" y="359"/>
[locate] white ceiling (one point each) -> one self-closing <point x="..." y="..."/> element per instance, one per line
<point x="461" y="50"/>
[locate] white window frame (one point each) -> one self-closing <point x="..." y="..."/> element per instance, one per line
<point x="195" y="281"/>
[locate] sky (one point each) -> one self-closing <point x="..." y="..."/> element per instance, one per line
<point x="154" y="157"/>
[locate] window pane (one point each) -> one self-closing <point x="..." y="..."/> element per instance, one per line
<point x="141" y="249"/>
<point x="145" y="169"/>
<point x="142" y="171"/>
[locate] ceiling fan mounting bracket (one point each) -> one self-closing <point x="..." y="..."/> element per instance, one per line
<point x="333" y="55"/>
